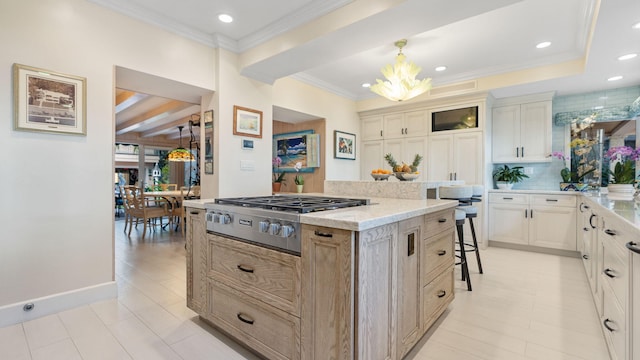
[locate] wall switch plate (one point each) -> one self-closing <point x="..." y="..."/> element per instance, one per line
<point x="247" y="165"/>
<point x="528" y="170"/>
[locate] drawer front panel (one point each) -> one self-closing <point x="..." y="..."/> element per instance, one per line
<point x="521" y="199"/>
<point x="438" y="222"/>
<point x="272" y="276"/>
<point x="614" y="318"/>
<point x="436" y="296"/>
<point x="270" y="331"/>
<point x="554" y="200"/>
<point x="615" y="269"/>
<point x="437" y="254"/>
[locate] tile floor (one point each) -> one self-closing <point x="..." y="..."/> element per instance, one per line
<point x="525" y="306"/>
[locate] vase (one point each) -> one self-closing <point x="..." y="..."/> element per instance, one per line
<point x="621" y="191"/>
<point x="504" y="185"/>
<point x="275" y="187"/>
<point x="569" y="186"/>
<point x="299" y="188"/>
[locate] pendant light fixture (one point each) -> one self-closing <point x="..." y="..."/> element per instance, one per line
<point x="401" y="81"/>
<point x="180" y="153"/>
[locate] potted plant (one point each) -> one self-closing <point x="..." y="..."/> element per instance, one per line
<point x="623" y="176"/>
<point x="581" y="166"/>
<point x="278" y="178"/>
<point x="505" y="176"/>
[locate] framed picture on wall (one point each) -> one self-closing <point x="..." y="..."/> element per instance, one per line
<point x="247" y="122"/>
<point x="48" y="101"/>
<point x="208" y="142"/>
<point x="344" y="145"/>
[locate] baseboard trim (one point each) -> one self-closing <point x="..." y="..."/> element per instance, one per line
<point x="13" y="313"/>
<point x="567" y="253"/>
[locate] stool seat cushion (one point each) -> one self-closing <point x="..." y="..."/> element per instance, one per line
<point x="460" y="215"/>
<point x="456" y="192"/>
<point x="468" y="209"/>
<point x="478" y="190"/>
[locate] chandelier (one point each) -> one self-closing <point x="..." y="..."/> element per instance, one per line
<point x="401" y="81"/>
<point x="180" y="153"/>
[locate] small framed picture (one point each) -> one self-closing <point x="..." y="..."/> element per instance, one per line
<point x="208" y="166"/>
<point x="247" y="144"/>
<point x="48" y="101"/>
<point x="247" y="122"/>
<point x="208" y="134"/>
<point x="344" y="145"/>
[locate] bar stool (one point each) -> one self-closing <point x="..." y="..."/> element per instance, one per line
<point x="460" y="193"/>
<point x="472" y="212"/>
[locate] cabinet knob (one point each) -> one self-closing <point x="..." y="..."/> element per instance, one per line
<point x="606" y="323"/>
<point x="609" y="273"/>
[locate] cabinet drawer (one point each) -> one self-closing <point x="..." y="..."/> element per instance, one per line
<point x="272" y="276"/>
<point x="436" y="296"/>
<point x="272" y="332"/>
<point x="437" y="254"/>
<point x="438" y="222"/>
<point x="553" y="200"/>
<point x="615" y="269"/>
<point x="503" y="198"/>
<point x="614" y="326"/>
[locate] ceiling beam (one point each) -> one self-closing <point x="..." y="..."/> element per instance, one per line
<point x="162" y="129"/>
<point x="151" y="116"/>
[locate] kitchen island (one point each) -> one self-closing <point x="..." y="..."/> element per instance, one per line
<point x="368" y="283"/>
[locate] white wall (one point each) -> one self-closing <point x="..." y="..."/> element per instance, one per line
<point x="339" y="113"/>
<point x="57" y="210"/>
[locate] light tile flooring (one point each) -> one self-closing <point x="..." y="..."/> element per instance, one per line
<point x="525" y="306"/>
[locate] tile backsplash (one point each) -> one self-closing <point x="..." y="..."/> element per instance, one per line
<point x="546" y="176"/>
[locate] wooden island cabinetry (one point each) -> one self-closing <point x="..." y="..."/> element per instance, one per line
<point x="369" y="294"/>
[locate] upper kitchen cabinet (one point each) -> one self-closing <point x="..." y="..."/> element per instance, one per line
<point x="455" y="157"/>
<point x="407" y="124"/>
<point x="521" y="133"/>
<point x="372" y="128"/>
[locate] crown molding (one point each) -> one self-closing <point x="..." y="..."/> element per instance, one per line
<point x="313" y="81"/>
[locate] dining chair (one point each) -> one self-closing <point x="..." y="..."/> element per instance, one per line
<point x="169" y="187"/>
<point x="140" y="209"/>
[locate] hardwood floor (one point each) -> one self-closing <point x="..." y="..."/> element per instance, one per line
<point x="525" y="306"/>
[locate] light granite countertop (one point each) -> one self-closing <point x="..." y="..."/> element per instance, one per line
<point x="380" y="211"/>
<point x="534" y="192"/>
<point x="627" y="210"/>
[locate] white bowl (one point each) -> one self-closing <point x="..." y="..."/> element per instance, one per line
<point x="380" y="177"/>
<point x="402" y="176"/>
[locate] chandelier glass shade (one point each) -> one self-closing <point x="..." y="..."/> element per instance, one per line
<point x="401" y="83"/>
<point x="180" y="153"/>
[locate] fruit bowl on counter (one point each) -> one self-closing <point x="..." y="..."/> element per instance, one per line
<point x="406" y="176"/>
<point x="380" y="174"/>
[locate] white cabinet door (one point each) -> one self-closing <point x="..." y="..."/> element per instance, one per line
<point x="393" y="126"/>
<point x="416" y="123"/>
<point x="372" y="128"/>
<point x="440" y="158"/>
<point x="535" y="132"/>
<point x="509" y="223"/>
<point x="372" y="157"/>
<point x="553" y="227"/>
<point x="506" y="134"/>
<point x="467" y="159"/>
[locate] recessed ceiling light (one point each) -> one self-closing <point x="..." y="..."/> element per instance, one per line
<point x="636" y="26"/>
<point x="225" y="18"/>
<point x="627" y="56"/>
<point x="441" y="68"/>
<point x="614" y="78"/>
<point x="543" y="45"/>
<point x="366" y="85"/>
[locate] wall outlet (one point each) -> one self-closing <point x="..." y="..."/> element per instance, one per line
<point x="528" y="170"/>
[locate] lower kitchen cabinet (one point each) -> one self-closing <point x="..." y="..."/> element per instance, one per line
<point x="196" y="246"/>
<point x="547" y="221"/>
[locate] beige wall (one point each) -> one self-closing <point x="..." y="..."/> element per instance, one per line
<point x="57" y="211"/>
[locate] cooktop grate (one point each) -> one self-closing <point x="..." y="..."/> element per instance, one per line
<point x="291" y="203"/>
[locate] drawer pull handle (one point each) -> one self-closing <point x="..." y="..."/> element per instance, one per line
<point x="242" y="268"/>
<point x="194" y="212"/>
<point x="441" y="293"/>
<point x="585" y="256"/>
<point x="633" y="247"/>
<point x="507" y="198"/>
<point x="442" y="252"/>
<point x="591" y="220"/>
<point x="606" y="323"/>
<point x="242" y="318"/>
<point x="442" y="220"/>
<point x="610" y="232"/>
<point x="552" y="200"/>
<point x="609" y="273"/>
<point x="323" y="234"/>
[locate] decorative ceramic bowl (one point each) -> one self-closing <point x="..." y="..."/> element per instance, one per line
<point x="403" y="176"/>
<point x="380" y="177"/>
